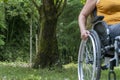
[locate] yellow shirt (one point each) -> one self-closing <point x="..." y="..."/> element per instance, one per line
<point x="110" y="9"/>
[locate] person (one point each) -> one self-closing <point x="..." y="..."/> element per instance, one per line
<point x="110" y="9"/>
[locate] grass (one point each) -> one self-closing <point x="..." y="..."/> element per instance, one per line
<point x="104" y="74"/>
<point x="22" y="71"/>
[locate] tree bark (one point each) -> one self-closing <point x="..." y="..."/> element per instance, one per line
<point x="48" y="49"/>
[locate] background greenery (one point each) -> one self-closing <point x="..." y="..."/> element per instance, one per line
<point x="15" y="21"/>
<point x="15" y="17"/>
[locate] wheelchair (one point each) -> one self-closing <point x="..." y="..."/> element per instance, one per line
<point x="92" y="52"/>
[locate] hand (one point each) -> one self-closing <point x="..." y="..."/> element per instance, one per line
<point x="84" y="34"/>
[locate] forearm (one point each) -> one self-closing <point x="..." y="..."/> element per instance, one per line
<point x="82" y="19"/>
<point x="85" y="12"/>
<point x="82" y="22"/>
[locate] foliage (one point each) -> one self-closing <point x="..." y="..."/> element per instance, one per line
<point x="82" y="1"/>
<point x="68" y="32"/>
<point x="2" y="23"/>
<point x="18" y="16"/>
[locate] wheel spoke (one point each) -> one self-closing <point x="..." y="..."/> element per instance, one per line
<point x="87" y="69"/>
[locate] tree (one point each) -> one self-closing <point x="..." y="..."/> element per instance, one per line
<point x="49" y="11"/>
<point x="15" y="19"/>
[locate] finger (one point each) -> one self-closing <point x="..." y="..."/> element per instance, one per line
<point x="87" y="32"/>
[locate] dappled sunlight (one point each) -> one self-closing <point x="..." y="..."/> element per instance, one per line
<point x="15" y="64"/>
<point x="70" y="65"/>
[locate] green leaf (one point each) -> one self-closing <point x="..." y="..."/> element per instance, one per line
<point x="2" y="42"/>
<point x="2" y="36"/>
<point x="2" y="26"/>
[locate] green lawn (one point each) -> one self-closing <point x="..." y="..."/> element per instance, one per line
<point x="104" y="74"/>
<point x="21" y="71"/>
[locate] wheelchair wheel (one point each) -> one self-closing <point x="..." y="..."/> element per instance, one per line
<point x="89" y="66"/>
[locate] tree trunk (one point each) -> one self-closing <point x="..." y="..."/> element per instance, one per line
<point x="48" y="49"/>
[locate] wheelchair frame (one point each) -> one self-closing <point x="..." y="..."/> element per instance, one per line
<point x="89" y="63"/>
